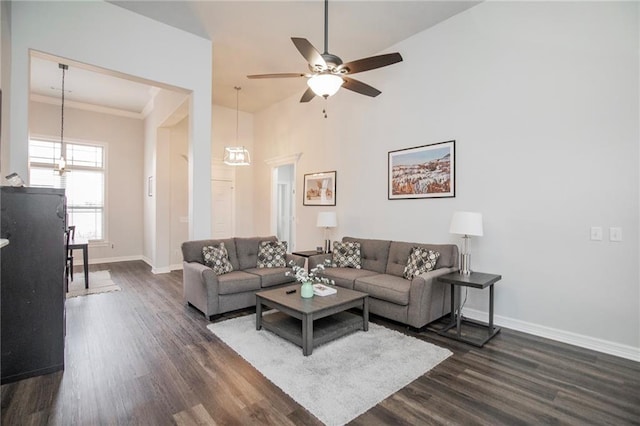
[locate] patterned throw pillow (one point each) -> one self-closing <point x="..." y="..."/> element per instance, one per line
<point x="346" y="255"/>
<point x="420" y="261"/>
<point x="217" y="258"/>
<point x="272" y="254"/>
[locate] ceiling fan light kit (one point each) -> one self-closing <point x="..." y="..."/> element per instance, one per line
<point x="325" y="85"/>
<point x="327" y="71"/>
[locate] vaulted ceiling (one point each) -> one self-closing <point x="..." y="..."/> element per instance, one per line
<point x="254" y="37"/>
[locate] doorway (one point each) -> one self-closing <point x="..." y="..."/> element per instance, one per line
<point x="284" y="212"/>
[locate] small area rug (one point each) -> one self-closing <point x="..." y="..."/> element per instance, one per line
<point x="341" y="379"/>
<point x="99" y="282"/>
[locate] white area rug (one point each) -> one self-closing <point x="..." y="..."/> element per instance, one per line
<point x="341" y="379"/>
<point x="99" y="282"/>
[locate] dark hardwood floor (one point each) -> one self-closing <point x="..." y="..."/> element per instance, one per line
<point x="139" y="356"/>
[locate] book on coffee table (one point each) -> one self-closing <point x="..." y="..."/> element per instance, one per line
<point x="323" y="290"/>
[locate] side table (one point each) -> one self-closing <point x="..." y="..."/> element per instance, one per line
<point x="474" y="280"/>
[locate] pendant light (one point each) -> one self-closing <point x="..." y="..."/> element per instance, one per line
<point x="60" y="167"/>
<point x="237" y="155"/>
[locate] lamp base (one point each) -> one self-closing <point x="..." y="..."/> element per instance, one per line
<point x="327" y="246"/>
<point x="465" y="264"/>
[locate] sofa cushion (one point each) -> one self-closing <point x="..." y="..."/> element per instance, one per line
<point x="238" y="282"/>
<point x="271" y="276"/>
<point x="272" y="254"/>
<point x="420" y="261"/>
<point x="217" y="258"/>
<point x="345" y="277"/>
<point x="247" y="250"/>
<point x="399" y="254"/>
<point x="385" y="287"/>
<point x="374" y="253"/>
<point x="192" y="250"/>
<point x="346" y="255"/>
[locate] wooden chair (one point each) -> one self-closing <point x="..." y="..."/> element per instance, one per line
<point x="68" y="269"/>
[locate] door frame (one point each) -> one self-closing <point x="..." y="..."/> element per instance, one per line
<point x="223" y="172"/>
<point x="274" y="163"/>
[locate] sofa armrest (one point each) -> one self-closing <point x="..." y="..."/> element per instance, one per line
<point x="318" y="259"/>
<point x="429" y="299"/>
<point x="298" y="260"/>
<point x="200" y="287"/>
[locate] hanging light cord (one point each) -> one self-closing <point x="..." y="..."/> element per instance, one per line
<point x="64" y="68"/>
<point x="237" y="111"/>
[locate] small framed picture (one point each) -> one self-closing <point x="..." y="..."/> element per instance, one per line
<point x="426" y="171"/>
<point x="320" y="189"/>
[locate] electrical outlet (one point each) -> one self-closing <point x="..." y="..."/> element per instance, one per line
<point x="596" y="233"/>
<point x="615" y="234"/>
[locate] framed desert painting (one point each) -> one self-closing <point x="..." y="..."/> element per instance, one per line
<point x="320" y="189"/>
<point x="426" y="171"/>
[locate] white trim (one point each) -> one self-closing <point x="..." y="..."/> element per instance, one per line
<point x="604" y="346"/>
<point x="176" y="267"/>
<point x="164" y="270"/>
<point x="77" y="260"/>
<point x="284" y="159"/>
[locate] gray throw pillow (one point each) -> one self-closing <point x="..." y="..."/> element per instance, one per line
<point x="272" y="254"/>
<point x="420" y="261"/>
<point x="346" y="255"/>
<point x="217" y="258"/>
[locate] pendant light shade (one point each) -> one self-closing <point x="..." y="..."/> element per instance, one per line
<point x="325" y="85"/>
<point x="236" y="155"/>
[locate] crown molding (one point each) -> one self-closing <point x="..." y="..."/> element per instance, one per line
<point x="86" y="106"/>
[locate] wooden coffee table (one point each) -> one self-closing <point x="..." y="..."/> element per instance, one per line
<point x="309" y="323"/>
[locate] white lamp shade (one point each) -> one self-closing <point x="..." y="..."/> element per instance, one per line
<point x="466" y="223"/>
<point x="325" y="85"/>
<point x="327" y="220"/>
<point x="236" y="156"/>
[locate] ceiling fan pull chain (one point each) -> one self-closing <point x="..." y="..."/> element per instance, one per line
<point x="324" y="110"/>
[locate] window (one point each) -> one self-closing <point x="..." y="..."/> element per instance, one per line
<point x="84" y="182"/>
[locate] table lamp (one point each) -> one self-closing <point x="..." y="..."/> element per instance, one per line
<point x="327" y="220"/>
<point x="466" y="224"/>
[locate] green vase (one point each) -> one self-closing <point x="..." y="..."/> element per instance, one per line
<point x="306" y="291"/>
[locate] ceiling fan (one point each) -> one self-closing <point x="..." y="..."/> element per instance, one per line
<point x="327" y="71"/>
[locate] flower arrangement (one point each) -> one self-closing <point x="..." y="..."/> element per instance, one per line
<point x="302" y="276"/>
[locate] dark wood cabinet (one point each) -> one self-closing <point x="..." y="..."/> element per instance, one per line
<point x="32" y="282"/>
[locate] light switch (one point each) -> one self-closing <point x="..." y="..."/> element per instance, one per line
<point x="615" y="233"/>
<point x="596" y="233"/>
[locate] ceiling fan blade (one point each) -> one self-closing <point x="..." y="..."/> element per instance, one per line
<point x="308" y="95"/>
<point x="280" y="75"/>
<point x="360" y="87"/>
<point x="309" y="52"/>
<point x="371" y="63"/>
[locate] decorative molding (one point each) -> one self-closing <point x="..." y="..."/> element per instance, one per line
<point x="87" y="107"/>
<point x="285" y="159"/>
<point x="176" y="267"/>
<point x="587" y="342"/>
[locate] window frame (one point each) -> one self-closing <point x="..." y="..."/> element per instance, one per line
<point x="37" y="137"/>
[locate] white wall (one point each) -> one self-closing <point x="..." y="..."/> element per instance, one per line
<point x="179" y="225"/>
<point x="542" y="100"/>
<point x="224" y="134"/>
<point x="110" y="37"/>
<point x="123" y="139"/>
<point x="157" y="165"/>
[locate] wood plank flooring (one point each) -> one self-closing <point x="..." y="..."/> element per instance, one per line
<point x="140" y="356"/>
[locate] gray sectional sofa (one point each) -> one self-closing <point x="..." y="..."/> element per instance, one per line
<point x="215" y="294"/>
<point x="415" y="302"/>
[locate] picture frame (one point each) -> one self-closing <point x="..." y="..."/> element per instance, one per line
<point x="426" y="171"/>
<point x="320" y="189"/>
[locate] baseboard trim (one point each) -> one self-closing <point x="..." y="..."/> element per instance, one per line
<point x="600" y="345"/>
<point x="176" y="267"/>
<point x="163" y="270"/>
<point x="78" y="260"/>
